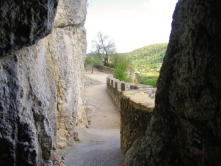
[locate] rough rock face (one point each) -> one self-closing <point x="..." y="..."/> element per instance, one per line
<point x="27" y="94"/>
<point x="66" y="48"/>
<point x="24" y="22"/>
<point x="28" y="104"/>
<point x="185" y="129"/>
<point x="71" y="13"/>
<point x="40" y="86"/>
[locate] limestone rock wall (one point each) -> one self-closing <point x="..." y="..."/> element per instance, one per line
<point x="28" y="104"/>
<point x="41" y="91"/>
<point x="66" y="48"/>
<point x="27" y="94"/>
<point x="24" y="22"/>
<point x="185" y="129"/>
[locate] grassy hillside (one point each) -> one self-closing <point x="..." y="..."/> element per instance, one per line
<point x="148" y="59"/>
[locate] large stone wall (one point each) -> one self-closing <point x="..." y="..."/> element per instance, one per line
<point x="136" y="103"/>
<point x="27" y="92"/>
<point x="41" y="92"/>
<point x="185" y="128"/>
<point x="66" y="49"/>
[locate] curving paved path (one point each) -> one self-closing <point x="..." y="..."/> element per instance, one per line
<point x="99" y="144"/>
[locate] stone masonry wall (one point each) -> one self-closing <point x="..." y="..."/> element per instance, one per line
<point x="136" y="103"/>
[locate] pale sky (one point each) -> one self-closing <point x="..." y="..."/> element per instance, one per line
<point x="131" y="24"/>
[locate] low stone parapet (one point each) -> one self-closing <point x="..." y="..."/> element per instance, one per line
<point x="136" y="103"/>
<point x="104" y="69"/>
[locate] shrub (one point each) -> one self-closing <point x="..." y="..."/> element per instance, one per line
<point x="122" y="65"/>
<point x="93" y="60"/>
<point x="148" y="80"/>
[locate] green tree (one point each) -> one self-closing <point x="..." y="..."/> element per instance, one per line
<point x="92" y="60"/>
<point x="122" y="65"/>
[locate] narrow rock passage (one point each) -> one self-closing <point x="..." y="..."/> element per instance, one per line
<point x="100" y="143"/>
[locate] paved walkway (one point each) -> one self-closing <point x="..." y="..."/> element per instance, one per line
<point x="99" y="144"/>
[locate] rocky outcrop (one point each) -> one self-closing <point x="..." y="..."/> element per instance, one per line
<point x="185" y="129"/>
<point x="66" y="49"/>
<point x="24" y="22"/>
<point x="28" y="104"/>
<point x="41" y="94"/>
<point x="27" y="94"/>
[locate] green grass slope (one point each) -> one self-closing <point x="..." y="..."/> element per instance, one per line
<point x="148" y="59"/>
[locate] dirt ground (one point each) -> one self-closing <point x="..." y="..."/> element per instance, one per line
<point x="103" y="114"/>
<point x="99" y="144"/>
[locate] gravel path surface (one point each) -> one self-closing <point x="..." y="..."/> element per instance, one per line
<point x="91" y="82"/>
<point x="99" y="145"/>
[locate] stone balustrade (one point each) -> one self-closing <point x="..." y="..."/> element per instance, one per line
<point x="136" y="103"/>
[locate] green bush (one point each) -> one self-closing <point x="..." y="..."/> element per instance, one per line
<point x="148" y="80"/>
<point x="122" y="65"/>
<point x="110" y="65"/>
<point x="92" y="60"/>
